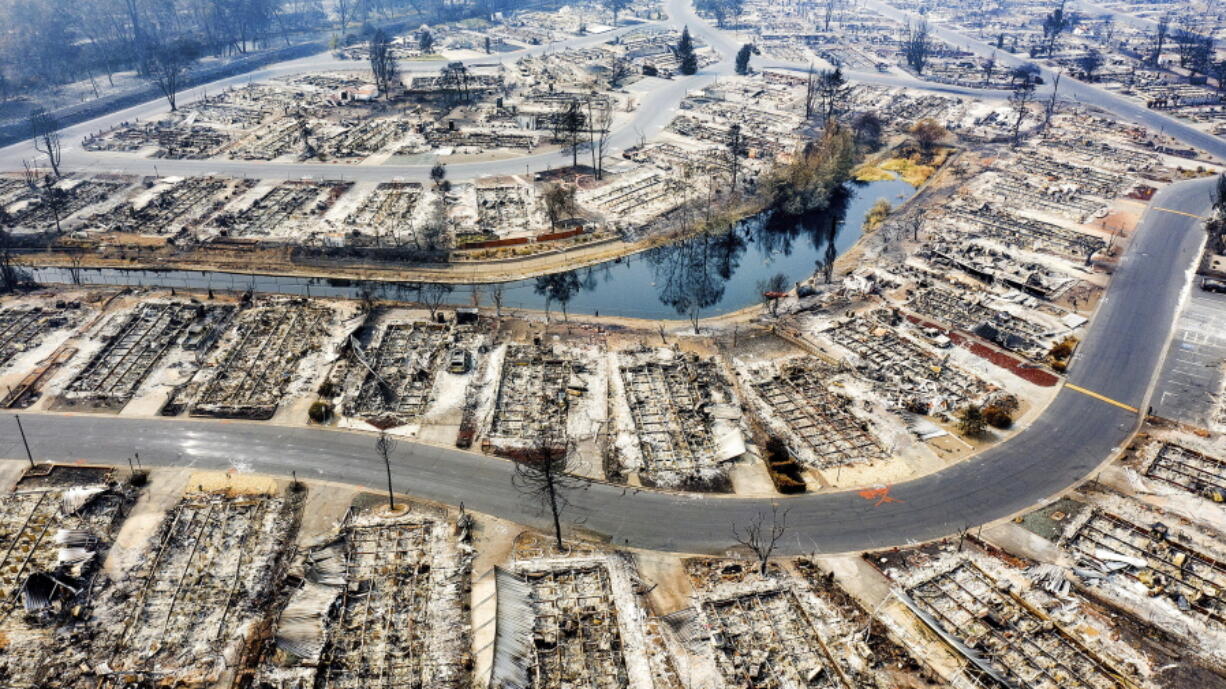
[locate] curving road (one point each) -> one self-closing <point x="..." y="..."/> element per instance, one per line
<point x="1072" y="89"/>
<point x="1122" y="350"/>
<point x="1075" y="434"/>
<point x="656" y="109"/>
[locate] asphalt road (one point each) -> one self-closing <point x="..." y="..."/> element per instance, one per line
<point x="656" y="109"/>
<point x="1118" y="358"/>
<point x="1072" y="89"/>
<point x="1191" y="378"/>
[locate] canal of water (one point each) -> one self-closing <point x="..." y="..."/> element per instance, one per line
<point x="699" y="277"/>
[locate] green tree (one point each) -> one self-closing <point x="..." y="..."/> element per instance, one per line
<point x="816" y="171"/>
<point x="832" y="90"/>
<point x="742" y="59"/>
<point x="685" y="53"/>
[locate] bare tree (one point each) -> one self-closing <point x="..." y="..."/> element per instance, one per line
<point x="911" y="223"/>
<point x="45" y="131"/>
<point x="1050" y="109"/>
<point x="1105" y="30"/>
<point x="1055" y="23"/>
<point x="1020" y="100"/>
<point x="917" y="45"/>
<point x="810" y="92"/>
<point x="434" y="233"/>
<point x="50" y="195"/>
<point x="1090" y="63"/>
<point x="9" y="277"/>
<point x="385" y="445"/>
<point x="772" y="290"/>
<point x="600" y="128"/>
<point x="558" y="287"/>
<point x="989" y="66"/>
<point x="559" y="202"/>
<point x="433" y="294"/>
<point x="497" y="291"/>
<point x="568" y="127"/>
<point x="736" y="150"/>
<point x="928" y="133"/>
<point x="76" y="259"/>
<point x="1161" y="31"/>
<point x="305" y="132"/>
<point x="761" y="537"/>
<point x="454" y="78"/>
<point x="383" y="64"/>
<point x="540" y="474"/>
<point x="344" y="10"/>
<point x="619" y="71"/>
<point x="828" y="9"/>
<point x="1186" y="40"/>
<point x="164" y="64"/>
<point x="616" y="6"/>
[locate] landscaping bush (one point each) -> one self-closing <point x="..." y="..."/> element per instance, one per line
<point x="320" y="412"/>
<point x="784" y="471"/>
<point x="971" y="421"/>
<point x="997" y="417"/>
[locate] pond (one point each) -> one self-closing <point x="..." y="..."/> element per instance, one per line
<point x="699" y="277"/>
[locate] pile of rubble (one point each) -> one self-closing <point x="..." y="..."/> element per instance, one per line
<point x="820" y="425"/>
<point x="575" y="621"/>
<point x="135" y="342"/>
<point x="677" y="419"/>
<point x="259" y="358"/>
<point x="24" y="329"/>
<point x="380" y="606"/>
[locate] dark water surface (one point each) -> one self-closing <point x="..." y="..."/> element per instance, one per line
<point x="699" y="277"/>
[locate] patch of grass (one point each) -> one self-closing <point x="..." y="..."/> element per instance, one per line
<point x="872" y="173"/>
<point x="909" y="171"/>
<point x="877" y="214"/>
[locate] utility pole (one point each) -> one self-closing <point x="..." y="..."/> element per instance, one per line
<point x="24" y="441"/>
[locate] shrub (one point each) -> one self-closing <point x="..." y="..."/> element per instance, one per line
<point x="786" y="484"/>
<point x="971" y="421"/>
<point x="784" y="472"/>
<point x="320" y="412"/>
<point x="997" y="417"/>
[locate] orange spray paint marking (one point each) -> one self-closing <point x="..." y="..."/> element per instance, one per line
<point x="880" y="494"/>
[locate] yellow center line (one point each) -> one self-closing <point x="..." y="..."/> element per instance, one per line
<point x="1171" y="210"/>
<point x="1095" y="395"/>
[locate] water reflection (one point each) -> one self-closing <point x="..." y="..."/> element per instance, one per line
<point x="692" y="276"/>
<point x="696" y="278"/>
